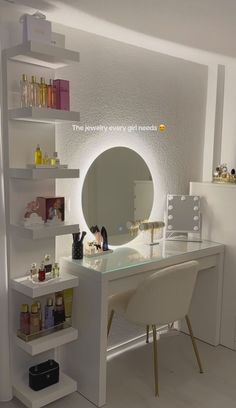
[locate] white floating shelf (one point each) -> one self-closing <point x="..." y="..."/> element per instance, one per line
<point x="27" y="287"/>
<point x="37" y="399"/>
<point x="45" y="55"/>
<point x="48" y="342"/>
<point x="40" y="174"/>
<point x="44" y="231"/>
<point x="45" y="115"/>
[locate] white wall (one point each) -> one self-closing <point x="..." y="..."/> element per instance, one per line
<point x="118" y="84"/>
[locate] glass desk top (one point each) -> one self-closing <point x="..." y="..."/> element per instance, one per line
<point x="140" y="254"/>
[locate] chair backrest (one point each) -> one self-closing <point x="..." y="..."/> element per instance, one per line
<point x="164" y="296"/>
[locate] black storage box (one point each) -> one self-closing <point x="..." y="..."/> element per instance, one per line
<point x="43" y="375"/>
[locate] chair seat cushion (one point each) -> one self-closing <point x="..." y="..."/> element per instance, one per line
<point x="119" y="302"/>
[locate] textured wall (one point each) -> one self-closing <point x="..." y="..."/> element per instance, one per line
<point x="118" y="84"/>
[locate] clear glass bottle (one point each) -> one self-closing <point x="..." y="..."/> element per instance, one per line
<point x="24" y="92"/>
<point x="51" y="95"/>
<point x="46" y="159"/>
<point x="25" y="319"/>
<point x="33" y="92"/>
<point x="40" y="314"/>
<point x="38" y="155"/>
<point x="49" y="314"/>
<point x="34" y="319"/>
<point x="55" y="161"/>
<point x="34" y="272"/>
<point x="56" y="270"/>
<point x="42" y="93"/>
<point x="59" y="311"/>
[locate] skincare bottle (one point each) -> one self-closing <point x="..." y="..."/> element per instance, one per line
<point x="25" y="319"/>
<point x="41" y="273"/>
<point x="38" y="155"/>
<point x="34" y="319"/>
<point x="24" y="92"/>
<point x="68" y="299"/>
<point x="51" y="95"/>
<point x="34" y="272"/>
<point x="59" y="312"/>
<point x="49" y="314"/>
<point x="47" y="263"/>
<point x="33" y="92"/>
<point x="43" y="93"/>
<point x="46" y="159"/>
<point x="40" y="313"/>
<point x="56" y="270"/>
<point x="55" y="161"/>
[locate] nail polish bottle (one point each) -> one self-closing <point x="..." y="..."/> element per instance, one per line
<point x="25" y="319"/>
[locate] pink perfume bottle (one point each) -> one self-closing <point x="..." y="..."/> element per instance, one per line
<point x="62" y="94"/>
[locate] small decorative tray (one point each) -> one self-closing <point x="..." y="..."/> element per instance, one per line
<point x="43" y="332"/>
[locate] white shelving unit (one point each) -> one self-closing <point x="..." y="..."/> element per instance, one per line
<point x="48" y="342"/>
<point x="43" y="115"/>
<point x="43" y="174"/>
<point x="24" y="244"/>
<point x="44" y="231"/>
<point x="37" y="399"/>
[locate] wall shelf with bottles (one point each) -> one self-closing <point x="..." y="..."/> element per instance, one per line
<point x="43" y="231"/>
<point x="33" y="399"/>
<point x="31" y="289"/>
<point x="44" y="55"/>
<point x="35" y="114"/>
<point x="43" y="174"/>
<point x="48" y="342"/>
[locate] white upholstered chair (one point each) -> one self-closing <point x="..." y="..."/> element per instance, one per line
<point x="162" y="298"/>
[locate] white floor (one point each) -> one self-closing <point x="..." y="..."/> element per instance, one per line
<point x="130" y="378"/>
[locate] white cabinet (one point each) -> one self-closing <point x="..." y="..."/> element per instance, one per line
<point x="23" y="129"/>
<point x="218" y="207"/>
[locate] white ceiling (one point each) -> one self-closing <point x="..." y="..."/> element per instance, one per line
<point x="205" y="24"/>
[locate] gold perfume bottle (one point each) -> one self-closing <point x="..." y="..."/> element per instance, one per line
<point x="34" y="99"/>
<point x="42" y="93"/>
<point x="38" y="155"/>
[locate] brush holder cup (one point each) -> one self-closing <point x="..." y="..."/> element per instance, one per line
<point x="77" y="250"/>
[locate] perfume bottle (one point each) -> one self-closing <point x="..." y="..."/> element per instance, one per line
<point x="59" y="312"/>
<point x="40" y="313"/>
<point x="49" y="314"/>
<point x="51" y="95"/>
<point x="42" y="93"/>
<point x="33" y="92"/>
<point x="25" y="319"/>
<point x="34" y="319"/>
<point x="55" y="161"/>
<point x="34" y="272"/>
<point x="56" y="270"/>
<point x="46" y="159"/>
<point x="24" y="92"/>
<point x="41" y="273"/>
<point x="47" y="263"/>
<point x="38" y="155"/>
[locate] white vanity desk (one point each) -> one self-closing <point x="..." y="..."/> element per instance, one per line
<point x="119" y="271"/>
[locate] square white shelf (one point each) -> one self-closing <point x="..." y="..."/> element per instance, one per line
<point x="42" y="174"/>
<point x="36" y="289"/>
<point x="37" y="399"/>
<point x="44" y="115"/>
<point x="48" y="342"/>
<point x="42" y="54"/>
<point x="43" y="231"/>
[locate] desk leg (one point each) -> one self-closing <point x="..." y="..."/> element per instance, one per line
<point x="205" y="311"/>
<point x="85" y="359"/>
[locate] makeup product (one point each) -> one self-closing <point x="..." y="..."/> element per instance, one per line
<point x="42" y="93"/>
<point x="24" y="92"/>
<point x="37" y="302"/>
<point x="43" y="375"/>
<point x="38" y="155"/>
<point x="55" y="161"/>
<point x="47" y="263"/>
<point x="34" y="319"/>
<point x="104" y="239"/>
<point x="33" y="92"/>
<point x="59" y="311"/>
<point x="56" y="270"/>
<point x="49" y="314"/>
<point x="68" y="299"/>
<point x="34" y="272"/>
<point x="25" y="319"/>
<point x="62" y="90"/>
<point x="41" y="273"/>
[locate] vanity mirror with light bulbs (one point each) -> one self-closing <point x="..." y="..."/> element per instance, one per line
<point x="117" y="189"/>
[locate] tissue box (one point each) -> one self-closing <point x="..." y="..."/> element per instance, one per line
<point x="51" y="208"/>
<point x="36" y="29"/>
<point x="43" y="375"/>
<point x="62" y="91"/>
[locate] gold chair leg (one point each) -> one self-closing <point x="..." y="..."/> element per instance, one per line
<point x="194" y="343"/>
<point x="110" y="322"/>
<point x="147" y="334"/>
<point x="155" y="360"/>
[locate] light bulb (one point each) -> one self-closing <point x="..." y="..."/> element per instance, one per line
<point x="170" y="217"/>
<point x="170" y="227"/>
<point x="170" y="207"/>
